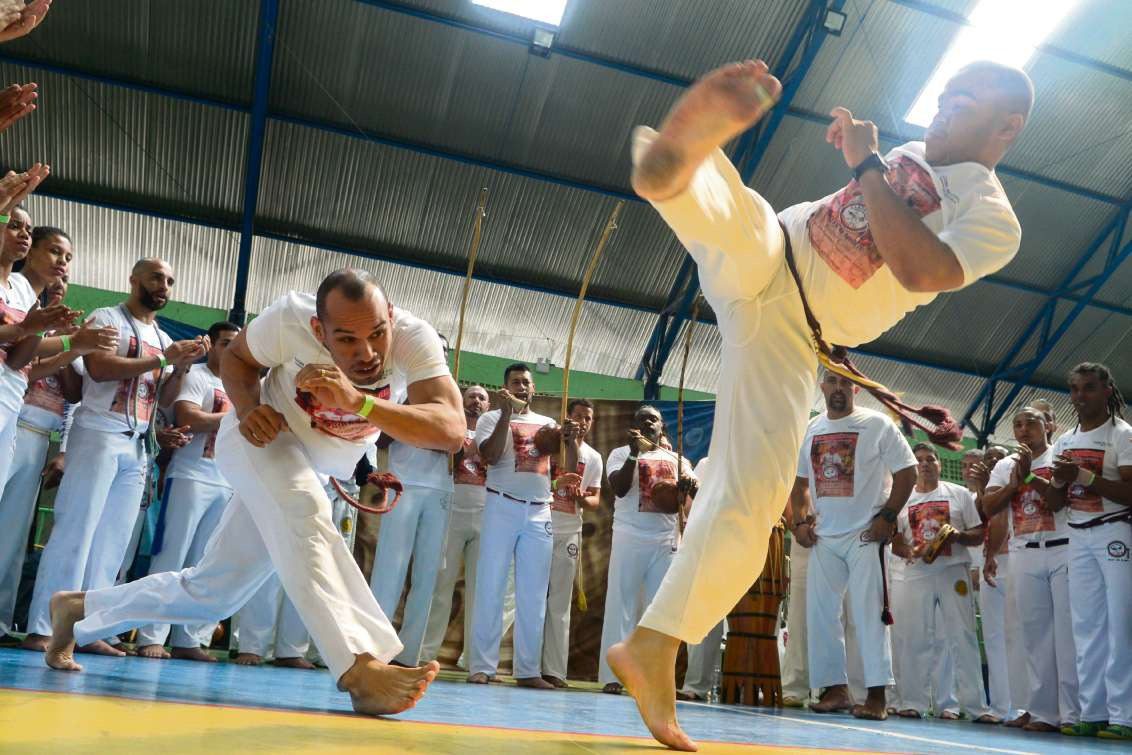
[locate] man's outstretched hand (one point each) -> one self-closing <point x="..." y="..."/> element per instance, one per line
<point x="19" y="21"/>
<point x="856" y="139"/>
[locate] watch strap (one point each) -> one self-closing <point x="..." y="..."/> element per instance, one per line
<point x="872" y="162"/>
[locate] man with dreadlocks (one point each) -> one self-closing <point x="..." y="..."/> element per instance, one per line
<point x="1092" y="475"/>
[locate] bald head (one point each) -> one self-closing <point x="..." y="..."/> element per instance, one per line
<point x="982" y="111"/>
<point x="151" y="282"/>
<point x="351" y="284"/>
<point x="1012" y="87"/>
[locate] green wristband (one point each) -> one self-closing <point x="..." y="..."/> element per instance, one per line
<point x="4" y="219"/>
<point x="1030" y="478"/>
<point x="41" y="334"/>
<point x="367" y="406"/>
<point x="164" y="362"/>
<point x="66" y="340"/>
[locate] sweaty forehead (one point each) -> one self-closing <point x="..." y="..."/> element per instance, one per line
<point x="367" y="313"/>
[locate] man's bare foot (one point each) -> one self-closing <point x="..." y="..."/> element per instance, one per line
<point x="302" y="663"/>
<point x="66" y="610"/>
<point x="949" y="715"/>
<point x="988" y="718"/>
<point x="909" y="713"/>
<point x="533" y="682"/>
<point x="613" y="688"/>
<point x="36" y="642"/>
<point x="1018" y="723"/>
<point x="714" y="110"/>
<point x="478" y="678"/>
<point x="124" y="649"/>
<point x="378" y="689"/>
<point x="1042" y="727"/>
<point x="247" y="659"/>
<point x="875" y="707"/>
<point x="554" y="680"/>
<point x="689" y="697"/>
<point x="101" y="647"/>
<point x="153" y="651"/>
<point x="646" y="665"/>
<point x="835" y="699"/>
<point x="193" y="654"/>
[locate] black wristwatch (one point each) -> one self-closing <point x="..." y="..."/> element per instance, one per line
<point x="887" y="515"/>
<point x="872" y="162"/>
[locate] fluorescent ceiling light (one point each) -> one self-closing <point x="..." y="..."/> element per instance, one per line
<point x="543" y="11"/>
<point x="1003" y="31"/>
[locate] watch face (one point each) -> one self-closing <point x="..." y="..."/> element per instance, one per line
<point x="855" y="217"/>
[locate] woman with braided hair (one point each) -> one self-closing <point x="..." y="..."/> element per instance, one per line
<point x="1092" y="476"/>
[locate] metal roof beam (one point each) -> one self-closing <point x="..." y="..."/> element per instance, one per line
<point x="253" y="159"/>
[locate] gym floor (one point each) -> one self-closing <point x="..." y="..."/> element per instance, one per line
<point x="128" y="705"/>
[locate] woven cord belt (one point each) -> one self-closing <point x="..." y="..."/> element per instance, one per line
<point x="941" y="428"/>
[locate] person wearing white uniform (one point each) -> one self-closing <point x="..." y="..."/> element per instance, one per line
<point x="469" y="476"/>
<point x="644" y="537"/>
<point x="1039" y="554"/>
<point x="195" y="494"/>
<point x="846" y="519"/>
<point x="1092" y="476"/>
<point x="101" y="493"/>
<point x="938" y="606"/>
<point x="413" y="531"/>
<point x="929" y="217"/>
<point x="516" y="528"/>
<point x="566" y="519"/>
<point x="703" y="658"/>
<point x="330" y="359"/>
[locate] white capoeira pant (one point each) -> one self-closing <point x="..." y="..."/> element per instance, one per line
<point x="1041" y="586"/>
<point x="1007" y="675"/>
<point x="703" y="660"/>
<point x="95" y="511"/>
<point x="563" y="567"/>
<point x="414" y="530"/>
<point x="278" y="521"/>
<point x="795" y="663"/>
<point x="17" y="512"/>
<point x="520" y="533"/>
<point x="461" y="551"/>
<point x="190" y="512"/>
<point x="906" y="614"/>
<point x="637" y="565"/>
<point x="938" y="608"/>
<point x="845" y="565"/>
<point x="269" y="620"/>
<point x="1100" y="586"/>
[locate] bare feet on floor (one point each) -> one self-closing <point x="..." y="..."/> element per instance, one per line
<point x="714" y="110"/>
<point x="834" y="699"/>
<point x="1018" y="723"/>
<point x="153" y="651"/>
<point x="377" y="688"/>
<point x="554" y="680"/>
<point x="478" y="678"/>
<point x="124" y="649"/>
<point x="193" y="654"/>
<point x="66" y="610"/>
<point x="875" y="708"/>
<point x="646" y="665"/>
<point x="302" y="663"/>
<point x="99" y="647"/>
<point x="613" y="688"/>
<point x="688" y="697"/>
<point x="36" y="642"/>
<point x="247" y="659"/>
<point x="534" y="682"/>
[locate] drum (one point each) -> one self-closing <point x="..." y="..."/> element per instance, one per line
<point x="751" y="674"/>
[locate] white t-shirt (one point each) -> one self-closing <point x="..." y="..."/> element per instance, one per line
<point x="565" y="514"/>
<point x="197" y="459"/>
<point x="1030" y="520"/>
<point x="124" y="404"/>
<point x="849" y="462"/>
<point x="44" y="405"/>
<point x="925" y="513"/>
<point x="421" y="467"/>
<point x="282" y="340"/>
<point x="1101" y="451"/>
<point x="635" y="513"/>
<point x="521" y="470"/>
<point x="16" y="300"/>
<point x="469" y="477"/>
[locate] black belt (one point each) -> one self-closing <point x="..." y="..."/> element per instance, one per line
<point x="133" y="434"/>
<point x="517" y="500"/>
<point x="1115" y="516"/>
<point x="1049" y="543"/>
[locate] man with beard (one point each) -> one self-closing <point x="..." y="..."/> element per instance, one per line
<point x="847" y="520"/>
<point x="463" y="546"/>
<point x="99" y="498"/>
<point x="330" y="359"/>
<point x="516" y="528"/>
<point x="1092" y="477"/>
<point x="1039" y="562"/>
<point x="644" y="537"/>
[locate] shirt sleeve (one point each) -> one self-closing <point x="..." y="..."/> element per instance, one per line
<point x="895" y="449"/>
<point x="193" y="389"/>
<point x="971" y="516"/>
<point x="485" y="426"/>
<point x="1123" y="446"/>
<point x="617" y="458"/>
<point x="1000" y="475"/>
<point x="107" y="316"/>
<point x="266" y="335"/>
<point x="592" y="477"/>
<point x="804" y="457"/>
<point x="417" y="351"/>
<point x="984" y="236"/>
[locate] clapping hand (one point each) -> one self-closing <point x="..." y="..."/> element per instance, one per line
<point x="19" y="19"/>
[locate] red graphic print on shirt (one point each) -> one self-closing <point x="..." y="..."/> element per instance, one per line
<point x="470" y="470"/>
<point x="9" y="315"/>
<point x="564" y="497"/>
<point x="649" y="473"/>
<point x="1027" y="510"/>
<point x="220" y="403"/>
<point x="839" y="230"/>
<point x="925" y="519"/>
<point x="47" y="394"/>
<point x="832" y="457"/>
<point x="146" y="396"/>
<point x="345" y="425"/>
<point x="1081" y="499"/>
<point x="527" y="457"/>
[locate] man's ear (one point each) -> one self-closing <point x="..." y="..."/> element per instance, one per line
<point x="316" y="328"/>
